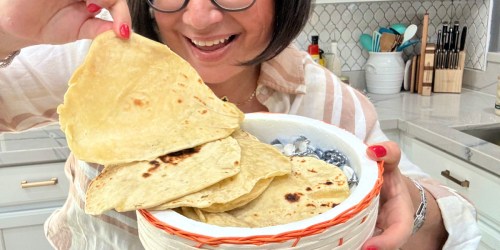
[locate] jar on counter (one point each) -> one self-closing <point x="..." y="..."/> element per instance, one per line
<point x="384" y="72"/>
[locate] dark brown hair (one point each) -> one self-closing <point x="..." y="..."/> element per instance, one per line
<point x="291" y="16"/>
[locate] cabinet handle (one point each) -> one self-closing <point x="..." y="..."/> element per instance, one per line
<point x="447" y="175"/>
<point x="51" y="182"/>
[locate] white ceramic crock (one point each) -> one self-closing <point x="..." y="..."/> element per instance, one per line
<point x="384" y="72"/>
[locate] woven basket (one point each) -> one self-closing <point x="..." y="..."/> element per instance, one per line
<point x="346" y="226"/>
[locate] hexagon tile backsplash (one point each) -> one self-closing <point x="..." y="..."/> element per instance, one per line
<point x="345" y="22"/>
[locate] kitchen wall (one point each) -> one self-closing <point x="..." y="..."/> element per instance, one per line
<point x="345" y="22"/>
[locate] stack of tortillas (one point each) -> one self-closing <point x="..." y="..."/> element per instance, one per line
<point x="168" y="142"/>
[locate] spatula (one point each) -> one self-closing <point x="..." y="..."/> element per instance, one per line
<point x="387" y="41"/>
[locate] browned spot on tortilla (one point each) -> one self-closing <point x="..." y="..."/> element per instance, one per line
<point x="292" y="197"/>
<point x="176" y="157"/>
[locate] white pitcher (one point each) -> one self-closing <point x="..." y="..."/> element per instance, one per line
<point x="384" y="72"/>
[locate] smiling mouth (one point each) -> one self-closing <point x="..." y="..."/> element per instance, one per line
<point x="212" y="45"/>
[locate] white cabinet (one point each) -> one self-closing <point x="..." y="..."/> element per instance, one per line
<point x="28" y="195"/>
<point x="480" y="187"/>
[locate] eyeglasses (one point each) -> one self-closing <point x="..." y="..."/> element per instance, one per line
<point x="170" y="6"/>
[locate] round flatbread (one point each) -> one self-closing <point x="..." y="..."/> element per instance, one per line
<point x="260" y="162"/>
<point x="312" y="188"/>
<point x="134" y="100"/>
<point x="142" y="185"/>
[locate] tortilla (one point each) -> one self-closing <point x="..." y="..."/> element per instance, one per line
<point x="142" y="185"/>
<point x="260" y="162"/>
<point x="312" y="188"/>
<point x="134" y="100"/>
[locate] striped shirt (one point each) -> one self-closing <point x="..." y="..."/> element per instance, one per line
<point x="33" y="86"/>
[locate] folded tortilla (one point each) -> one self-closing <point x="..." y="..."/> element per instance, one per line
<point x="260" y="163"/>
<point x="146" y="184"/>
<point x="134" y="100"/>
<point x="312" y="188"/>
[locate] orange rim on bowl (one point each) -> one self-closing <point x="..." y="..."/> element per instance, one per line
<point x="265" y="239"/>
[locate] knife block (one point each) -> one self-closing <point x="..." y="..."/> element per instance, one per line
<point x="450" y="80"/>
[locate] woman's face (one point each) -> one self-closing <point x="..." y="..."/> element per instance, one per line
<point x="214" y="41"/>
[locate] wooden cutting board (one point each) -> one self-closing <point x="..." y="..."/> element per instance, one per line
<point x="423" y="89"/>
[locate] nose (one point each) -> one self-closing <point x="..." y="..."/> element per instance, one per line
<point x="201" y="14"/>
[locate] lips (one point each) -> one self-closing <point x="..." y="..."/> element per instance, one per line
<point x="212" y="45"/>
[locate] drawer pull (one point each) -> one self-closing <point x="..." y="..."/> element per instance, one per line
<point x="51" y="182"/>
<point x="447" y="175"/>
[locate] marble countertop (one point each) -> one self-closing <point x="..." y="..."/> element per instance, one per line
<point x="434" y="119"/>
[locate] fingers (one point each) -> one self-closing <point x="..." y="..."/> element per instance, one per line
<point x="388" y="151"/>
<point x="120" y="13"/>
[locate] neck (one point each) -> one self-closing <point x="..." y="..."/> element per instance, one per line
<point x="239" y="87"/>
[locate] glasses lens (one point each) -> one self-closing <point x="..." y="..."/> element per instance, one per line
<point x="167" y="5"/>
<point x="234" y="4"/>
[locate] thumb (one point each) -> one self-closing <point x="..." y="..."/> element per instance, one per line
<point x="388" y="151"/>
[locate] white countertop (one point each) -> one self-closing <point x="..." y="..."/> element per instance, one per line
<point x="432" y="119"/>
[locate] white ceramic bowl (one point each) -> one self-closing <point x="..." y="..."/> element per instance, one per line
<point x="267" y="127"/>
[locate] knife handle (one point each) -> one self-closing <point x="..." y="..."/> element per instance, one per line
<point x="436" y="58"/>
<point x="463" y="38"/>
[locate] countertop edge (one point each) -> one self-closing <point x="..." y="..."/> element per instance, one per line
<point x="477" y="152"/>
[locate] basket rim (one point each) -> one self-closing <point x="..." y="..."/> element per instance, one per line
<point x="295" y="232"/>
<point x="295" y="235"/>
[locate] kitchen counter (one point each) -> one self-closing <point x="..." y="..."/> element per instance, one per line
<point x="434" y="119"/>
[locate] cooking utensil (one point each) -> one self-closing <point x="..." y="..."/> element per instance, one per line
<point x="463" y="37"/>
<point x="376" y="41"/>
<point x="399" y="27"/>
<point x="439" y="50"/>
<point x="407" y="44"/>
<point x="386" y="42"/>
<point x="366" y="42"/>
<point x="456" y="36"/>
<point x="410" y="33"/>
<point x="383" y="30"/>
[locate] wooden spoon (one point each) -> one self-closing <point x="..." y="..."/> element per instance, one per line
<point x="386" y="42"/>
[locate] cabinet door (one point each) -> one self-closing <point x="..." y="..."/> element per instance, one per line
<point x="32" y="185"/>
<point x="483" y="187"/>
<point x="24" y="230"/>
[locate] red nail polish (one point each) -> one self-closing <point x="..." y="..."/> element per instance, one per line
<point x="125" y="31"/>
<point x="378" y="150"/>
<point x="93" y="8"/>
<point x="371" y="248"/>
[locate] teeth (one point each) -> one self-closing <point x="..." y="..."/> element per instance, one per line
<point x="209" y="43"/>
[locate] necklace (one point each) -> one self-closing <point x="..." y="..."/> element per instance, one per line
<point x="224" y="98"/>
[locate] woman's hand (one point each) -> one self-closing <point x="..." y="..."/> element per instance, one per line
<point x="28" y="22"/>
<point x="395" y="217"/>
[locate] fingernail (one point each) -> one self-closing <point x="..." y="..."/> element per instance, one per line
<point x="93" y="8"/>
<point x="125" y="31"/>
<point x="378" y="150"/>
<point x="371" y="248"/>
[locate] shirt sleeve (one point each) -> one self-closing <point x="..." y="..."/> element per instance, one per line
<point x="34" y="84"/>
<point x="459" y="215"/>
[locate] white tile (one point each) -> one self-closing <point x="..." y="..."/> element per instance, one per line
<point x="332" y="20"/>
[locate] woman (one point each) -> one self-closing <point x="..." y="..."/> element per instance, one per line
<point x="241" y="50"/>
